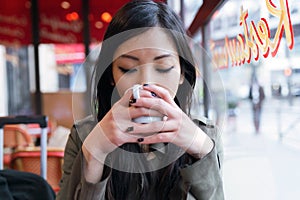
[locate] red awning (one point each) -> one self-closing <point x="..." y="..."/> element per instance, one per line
<point x="59" y="22"/>
<point x="15" y="23"/>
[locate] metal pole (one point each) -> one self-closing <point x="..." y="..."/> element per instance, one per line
<point x="44" y="152"/>
<point x="86" y="41"/>
<point x="182" y="11"/>
<point x="205" y="75"/>
<point x="86" y="26"/>
<point x="36" y="41"/>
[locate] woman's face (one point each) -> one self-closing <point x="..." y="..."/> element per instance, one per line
<point x="150" y="57"/>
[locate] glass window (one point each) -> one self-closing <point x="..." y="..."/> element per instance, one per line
<point x="60" y="67"/>
<point x="15" y="81"/>
<point x="249" y="133"/>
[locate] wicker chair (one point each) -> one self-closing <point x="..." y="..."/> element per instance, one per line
<point x="28" y="159"/>
<point x="15" y="136"/>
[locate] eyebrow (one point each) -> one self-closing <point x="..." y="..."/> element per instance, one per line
<point x="137" y="59"/>
<point x="129" y="56"/>
<point x="162" y="56"/>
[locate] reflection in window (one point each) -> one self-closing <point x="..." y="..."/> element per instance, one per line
<point x="17" y="76"/>
<point x="61" y="67"/>
<point x="232" y="21"/>
<point x="217" y="24"/>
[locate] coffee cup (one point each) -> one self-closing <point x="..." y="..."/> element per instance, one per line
<point x="143" y="119"/>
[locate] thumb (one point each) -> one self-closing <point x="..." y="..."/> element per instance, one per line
<point x="126" y="97"/>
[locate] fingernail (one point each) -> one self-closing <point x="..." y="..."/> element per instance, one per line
<point x="130" y="128"/>
<point x="132" y="101"/>
<point x="153" y="94"/>
<point x="146" y="84"/>
<point x="140" y="139"/>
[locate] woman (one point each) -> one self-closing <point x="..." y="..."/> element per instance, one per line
<point x="111" y="156"/>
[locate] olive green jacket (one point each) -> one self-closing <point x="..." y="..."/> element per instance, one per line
<point x="201" y="180"/>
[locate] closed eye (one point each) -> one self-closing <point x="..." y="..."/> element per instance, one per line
<point x="164" y="70"/>
<point x="124" y="70"/>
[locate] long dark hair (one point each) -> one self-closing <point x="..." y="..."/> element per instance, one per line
<point x="139" y="15"/>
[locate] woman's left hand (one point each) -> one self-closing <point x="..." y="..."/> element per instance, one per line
<point x="176" y="127"/>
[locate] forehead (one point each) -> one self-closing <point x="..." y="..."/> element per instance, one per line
<point x="154" y="38"/>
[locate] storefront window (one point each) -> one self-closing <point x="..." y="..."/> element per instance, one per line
<point x="189" y="8"/>
<point x="259" y="41"/>
<point x="225" y="39"/>
<point x="15" y="80"/>
<point x="60" y="67"/>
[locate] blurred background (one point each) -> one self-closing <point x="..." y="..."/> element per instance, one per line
<point x="48" y="48"/>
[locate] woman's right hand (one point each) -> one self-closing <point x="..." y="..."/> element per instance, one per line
<point x="106" y="136"/>
<point x="111" y="132"/>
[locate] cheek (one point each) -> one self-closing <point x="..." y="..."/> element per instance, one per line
<point x="122" y="83"/>
<point x="121" y="88"/>
<point x="173" y="85"/>
<point x="170" y="82"/>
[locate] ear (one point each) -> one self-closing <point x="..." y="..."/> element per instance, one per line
<point x="181" y="79"/>
<point x="112" y="82"/>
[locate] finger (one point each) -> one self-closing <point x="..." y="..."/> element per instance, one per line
<point x="159" y="91"/>
<point x="123" y="138"/>
<point x="125" y="98"/>
<point x="147" y="94"/>
<point x="159" y="138"/>
<point x="153" y="127"/>
<point x="157" y="104"/>
<point x="135" y="112"/>
<point x="128" y="138"/>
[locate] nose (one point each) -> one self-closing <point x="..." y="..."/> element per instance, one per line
<point x="145" y="74"/>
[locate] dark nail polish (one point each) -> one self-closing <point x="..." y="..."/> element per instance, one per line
<point x="140" y="139"/>
<point x="129" y="129"/>
<point x="146" y="84"/>
<point x="153" y="94"/>
<point x="132" y="101"/>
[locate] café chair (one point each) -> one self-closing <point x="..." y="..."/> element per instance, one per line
<point x="15" y="136"/>
<point x="28" y="159"/>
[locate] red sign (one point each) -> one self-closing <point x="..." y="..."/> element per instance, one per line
<point x="256" y="38"/>
<point x="69" y="53"/>
<point x="15" y="23"/>
<point x="60" y="23"/>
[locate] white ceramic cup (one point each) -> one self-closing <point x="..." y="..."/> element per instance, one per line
<point x="144" y="119"/>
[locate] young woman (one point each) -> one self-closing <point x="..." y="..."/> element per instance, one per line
<point x="111" y="155"/>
